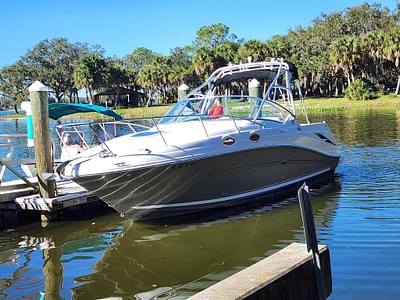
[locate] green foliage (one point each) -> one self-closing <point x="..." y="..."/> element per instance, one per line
<point x="255" y="49"/>
<point x="213" y="47"/>
<point x="361" y="42"/>
<point x="91" y="72"/>
<point x="213" y="36"/>
<point x="359" y="90"/>
<point x="138" y="58"/>
<point x="14" y="81"/>
<point x="52" y="61"/>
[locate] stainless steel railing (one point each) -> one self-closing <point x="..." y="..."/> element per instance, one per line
<point x="102" y="134"/>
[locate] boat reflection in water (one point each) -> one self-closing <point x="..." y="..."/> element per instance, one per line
<point x="147" y="260"/>
<point x="118" y="257"/>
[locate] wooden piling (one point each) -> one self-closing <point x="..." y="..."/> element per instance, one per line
<point x="40" y="117"/>
<point x="53" y="272"/>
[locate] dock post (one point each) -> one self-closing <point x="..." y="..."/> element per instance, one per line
<point x="255" y="88"/>
<point x="40" y="119"/>
<point x="182" y="91"/>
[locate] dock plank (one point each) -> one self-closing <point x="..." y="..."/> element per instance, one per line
<point x="68" y="194"/>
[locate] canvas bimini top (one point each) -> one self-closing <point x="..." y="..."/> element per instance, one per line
<point x="58" y="110"/>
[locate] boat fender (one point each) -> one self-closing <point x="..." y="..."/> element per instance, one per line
<point x="254" y="136"/>
<point x="228" y="140"/>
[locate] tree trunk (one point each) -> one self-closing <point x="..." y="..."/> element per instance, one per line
<point x="86" y="92"/>
<point x="16" y="109"/>
<point x="398" y="86"/>
<point x="59" y="96"/>
<point x="312" y="85"/>
<point x="149" y="99"/>
<point x="305" y="86"/>
<point x="342" y="85"/>
<point x="91" y="96"/>
<point x="336" y="87"/>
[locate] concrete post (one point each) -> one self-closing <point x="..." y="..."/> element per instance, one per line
<point x="26" y="106"/>
<point x="40" y="119"/>
<point x="255" y="88"/>
<point x="182" y="91"/>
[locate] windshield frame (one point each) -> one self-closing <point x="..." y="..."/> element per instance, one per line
<point x="203" y="104"/>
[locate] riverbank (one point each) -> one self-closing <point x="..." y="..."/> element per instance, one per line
<point x="387" y="102"/>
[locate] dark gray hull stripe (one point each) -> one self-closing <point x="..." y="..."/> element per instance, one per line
<point x="230" y="198"/>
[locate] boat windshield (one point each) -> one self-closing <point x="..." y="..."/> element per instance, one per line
<point x="242" y="107"/>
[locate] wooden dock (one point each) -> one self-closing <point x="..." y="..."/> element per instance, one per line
<point x="68" y="194"/>
<point x="21" y="204"/>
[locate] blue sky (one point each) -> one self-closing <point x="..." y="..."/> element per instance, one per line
<point x="121" y="25"/>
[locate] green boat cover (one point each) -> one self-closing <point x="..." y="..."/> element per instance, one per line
<point x="58" y="110"/>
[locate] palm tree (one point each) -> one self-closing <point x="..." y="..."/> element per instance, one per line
<point x="372" y="50"/>
<point x="204" y="61"/>
<point x="225" y="53"/>
<point x="255" y="49"/>
<point x="154" y="77"/>
<point x="343" y="55"/>
<point x="91" y="73"/>
<point x="277" y="47"/>
<point x="392" y="50"/>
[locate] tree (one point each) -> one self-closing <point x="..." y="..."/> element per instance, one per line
<point x="392" y="50"/>
<point x="52" y="62"/>
<point x="181" y="70"/>
<point x="225" y="53"/>
<point x="154" y="77"/>
<point x="213" y="35"/>
<point x="91" y="72"/>
<point x="366" y="17"/>
<point x="277" y="47"/>
<point x="255" y="49"/>
<point x="14" y="82"/>
<point x="138" y="58"/>
<point x="213" y="47"/>
<point x="343" y="55"/>
<point x="117" y="77"/>
<point x="372" y="53"/>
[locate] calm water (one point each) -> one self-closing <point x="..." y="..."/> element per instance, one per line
<point x="358" y="217"/>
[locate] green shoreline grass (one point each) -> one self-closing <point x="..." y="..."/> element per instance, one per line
<point x="386" y="102"/>
<point x="313" y="105"/>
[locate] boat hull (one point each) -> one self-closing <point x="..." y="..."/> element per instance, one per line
<point x="218" y="181"/>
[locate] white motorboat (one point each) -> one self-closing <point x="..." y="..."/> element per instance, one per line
<point x="209" y="151"/>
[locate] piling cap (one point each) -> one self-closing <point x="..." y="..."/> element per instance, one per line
<point x="254" y="83"/>
<point x="37" y="86"/>
<point x="183" y="87"/>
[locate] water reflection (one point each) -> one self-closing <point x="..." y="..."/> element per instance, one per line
<point x="364" y="128"/>
<point x="116" y="257"/>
